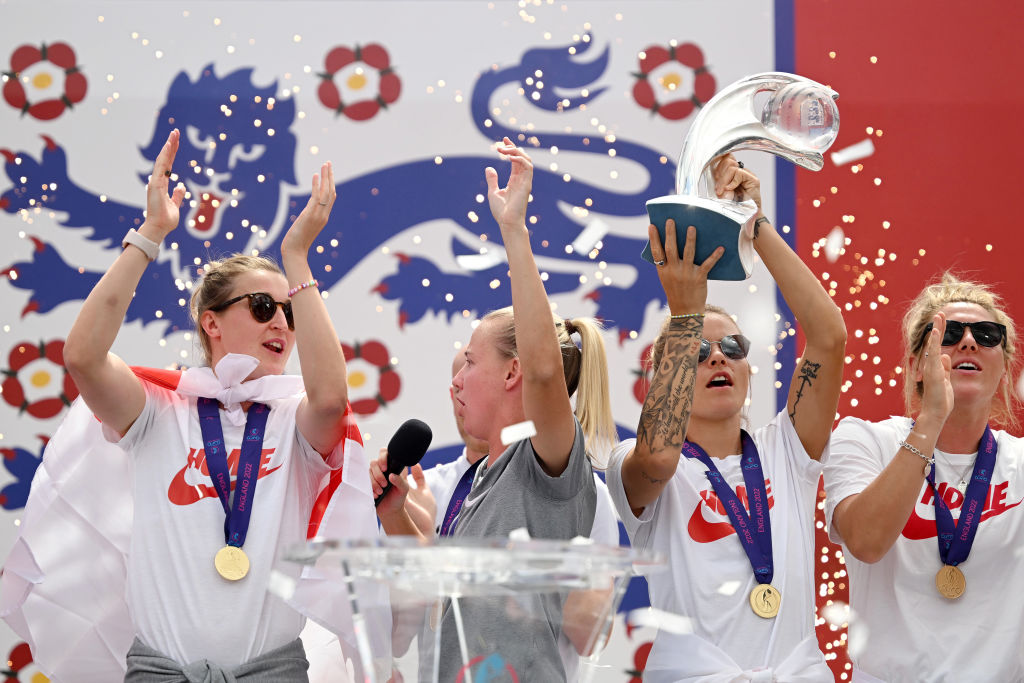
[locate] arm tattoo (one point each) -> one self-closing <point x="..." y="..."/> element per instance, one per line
<point x="757" y="225"/>
<point x="808" y="373"/>
<point x="651" y="479"/>
<point x="667" y="406"/>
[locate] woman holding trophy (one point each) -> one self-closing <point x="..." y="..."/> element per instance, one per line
<point x="734" y="512"/>
<point x="927" y="506"/>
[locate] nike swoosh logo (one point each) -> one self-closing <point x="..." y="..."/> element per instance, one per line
<point x="918" y="528"/>
<point x="704" y="530"/>
<point x="181" y="493"/>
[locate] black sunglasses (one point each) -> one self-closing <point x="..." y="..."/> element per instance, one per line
<point x="262" y="306"/>
<point x="734" y="346"/>
<point x="986" y="333"/>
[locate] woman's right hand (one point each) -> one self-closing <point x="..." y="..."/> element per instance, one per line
<point x="934" y="373"/>
<point x="735" y="182"/>
<point x="162" y="210"/>
<point x="394" y="501"/>
<point x="508" y="204"/>
<point x="685" y="283"/>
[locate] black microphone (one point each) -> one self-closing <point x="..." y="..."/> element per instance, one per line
<point x="406" y="448"/>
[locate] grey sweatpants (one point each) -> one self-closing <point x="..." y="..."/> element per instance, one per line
<point x="286" y="664"/>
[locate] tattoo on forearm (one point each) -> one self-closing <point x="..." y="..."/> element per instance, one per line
<point x="651" y="479"/>
<point x="808" y="373"/>
<point x="669" y="400"/>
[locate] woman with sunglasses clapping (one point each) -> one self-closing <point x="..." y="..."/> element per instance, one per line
<point x="927" y="506"/>
<point x="205" y="536"/>
<point x="734" y="511"/>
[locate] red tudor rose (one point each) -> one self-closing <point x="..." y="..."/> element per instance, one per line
<point x="679" y="74"/>
<point x="19" y="658"/>
<point x="358" y="83"/>
<point x="389" y="384"/>
<point x="57" y="392"/>
<point x="44" y="81"/>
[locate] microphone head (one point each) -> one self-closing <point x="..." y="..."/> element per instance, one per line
<point x="408" y="445"/>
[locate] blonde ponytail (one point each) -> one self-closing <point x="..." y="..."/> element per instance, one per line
<point x="593" y="400"/>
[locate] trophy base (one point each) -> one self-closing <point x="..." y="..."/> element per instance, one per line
<point x="719" y="224"/>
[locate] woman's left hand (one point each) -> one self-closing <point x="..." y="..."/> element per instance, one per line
<point x="734" y="182"/>
<point x="314" y="216"/>
<point x="508" y="204"/>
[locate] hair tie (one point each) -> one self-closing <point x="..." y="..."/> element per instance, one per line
<point x="570" y="329"/>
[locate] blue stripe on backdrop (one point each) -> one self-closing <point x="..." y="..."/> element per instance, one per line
<point x="785" y="193"/>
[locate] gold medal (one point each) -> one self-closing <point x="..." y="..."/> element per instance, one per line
<point x="231" y="562"/>
<point x="951" y="582"/>
<point x="765" y="600"/>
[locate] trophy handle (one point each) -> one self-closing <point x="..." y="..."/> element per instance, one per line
<point x="797" y="121"/>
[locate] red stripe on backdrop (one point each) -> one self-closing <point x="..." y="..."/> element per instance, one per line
<point x="932" y="85"/>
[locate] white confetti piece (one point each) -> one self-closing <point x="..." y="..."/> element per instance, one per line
<point x="837" y="614"/>
<point x="281" y="585"/>
<point x="846" y="155"/>
<point x="477" y="262"/>
<point x="834" y="244"/>
<point x="858" y="641"/>
<point x="518" y="432"/>
<point x="590" y="236"/>
<point x="659" y="619"/>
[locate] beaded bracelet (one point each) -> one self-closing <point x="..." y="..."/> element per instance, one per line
<point x="928" y="462"/>
<point x="686" y="315"/>
<point x="298" y="288"/>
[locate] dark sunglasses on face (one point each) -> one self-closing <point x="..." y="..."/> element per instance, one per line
<point x="986" y="333"/>
<point x="734" y="346"/>
<point x="262" y="306"/>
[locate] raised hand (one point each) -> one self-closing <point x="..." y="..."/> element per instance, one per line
<point x="508" y="204"/>
<point x="314" y="215"/>
<point x="734" y="182"/>
<point x="685" y="283"/>
<point x="161" y="208"/>
<point x="934" y="372"/>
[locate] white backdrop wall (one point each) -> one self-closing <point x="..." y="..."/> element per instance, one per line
<point x="410" y="179"/>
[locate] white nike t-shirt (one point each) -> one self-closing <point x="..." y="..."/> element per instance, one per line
<point x="904" y="630"/>
<point x="709" y="578"/>
<point x="179" y="604"/>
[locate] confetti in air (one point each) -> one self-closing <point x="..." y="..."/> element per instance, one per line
<point x="518" y="432"/>
<point x="846" y="155"/>
<point x="590" y="236"/>
<point x="665" y="621"/>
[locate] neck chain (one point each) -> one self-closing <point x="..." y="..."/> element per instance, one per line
<point x="962" y="481"/>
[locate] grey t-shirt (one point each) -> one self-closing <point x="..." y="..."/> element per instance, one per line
<point x="519" y="631"/>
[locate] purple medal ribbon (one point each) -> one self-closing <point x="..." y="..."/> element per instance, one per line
<point x="236" y="522"/>
<point x="956" y="538"/>
<point x="755" y="529"/>
<point x="451" y="517"/>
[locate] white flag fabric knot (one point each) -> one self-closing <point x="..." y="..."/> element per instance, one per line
<point x="227" y="384"/>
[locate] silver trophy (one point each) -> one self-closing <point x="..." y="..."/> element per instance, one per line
<point x="788" y="115"/>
